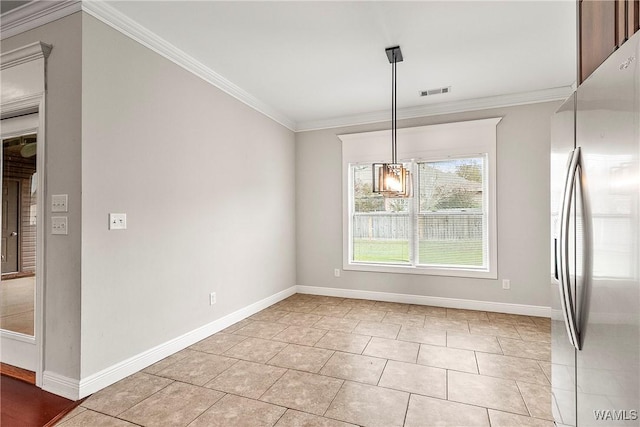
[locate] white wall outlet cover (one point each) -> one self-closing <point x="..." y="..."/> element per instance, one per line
<point x="59" y="225"/>
<point x="117" y="221"/>
<point x="59" y="203"/>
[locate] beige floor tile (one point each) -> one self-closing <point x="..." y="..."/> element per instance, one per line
<point x="255" y="350"/>
<point x="75" y="411"/>
<point x="218" y="343"/>
<point x="336" y="324"/>
<point x="446" y="324"/>
<point x="197" y="368"/>
<point x="489" y="392"/>
<point x="405" y="319"/>
<point x="513" y="319"/>
<point x="247" y="379"/>
<point x="512" y="368"/>
<point x="325" y="299"/>
<point x="236" y="326"/>
<point x="91" y="418"/>
<point x="354" y="367"/>
<point x="538" y="399"/>
<point x="331" y="310"/>
<point x="236" y="411"/>
<point x="302" y="358"/>
<point x="297" y="297"/>
<point x="176" y="404"/>
<point x="481" y="327"/>
<point x="167" y="361"/>
<point x="414" y="378"/>
<point x="269" y="315"/>
<point x="369" y="405"/>
<point x="531" y="349"/>
<point x="447" y="358"/>
<point x="342" y="341"/>
<point x="378" y="329"/>
<point x="534" y="333"/>
<point x="300" y="335"/>
<point x="546" y="368"/>
<point x="459" y="314"/>
<point x="303" y="391"/>
<point x="504" y="419"/>
<point x="293" y="418"/>
<point x="391" y="306"/>
<point x="428" y="310"/>
<point x="353" y="302"/>
<point x="427" y="411"/>
<point x="423" y="335"/>
<point x="541" y="321"/>
<point x="264" y="330"/>
<point x="19" y="322"/>
<point x="299" y="306"/>
<point x="391" y="349"/>
<point x="473" y="342"/>
<point x="300" y="319"/>
<point x="367" y="314"/>
<point x="126" y="393"/>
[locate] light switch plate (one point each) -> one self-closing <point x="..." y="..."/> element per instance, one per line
<point x="59" y="225"/>
<point x="117" y="221"/>
<point x="59" y="203"/>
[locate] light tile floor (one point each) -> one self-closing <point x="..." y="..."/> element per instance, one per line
<point x="321" y="361"/>
<point x="17" y="299"/>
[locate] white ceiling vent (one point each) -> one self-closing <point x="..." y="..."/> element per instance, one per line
<point x="437" y="91"/>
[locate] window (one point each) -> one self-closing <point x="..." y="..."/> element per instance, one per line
<point x="448" y="226"/>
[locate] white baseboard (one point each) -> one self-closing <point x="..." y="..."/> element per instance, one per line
<point x="127" y="367"/>
<point x="467" y="304"/>
<point x="61" y="385"/>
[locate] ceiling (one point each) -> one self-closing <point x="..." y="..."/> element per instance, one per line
<point x="317" y="62"/>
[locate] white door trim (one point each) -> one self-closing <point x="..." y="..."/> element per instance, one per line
<point x="25" y="92"/>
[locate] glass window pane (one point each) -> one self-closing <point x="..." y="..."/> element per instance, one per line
<point x="451" y="218"/>
<point x="380" y="227"/>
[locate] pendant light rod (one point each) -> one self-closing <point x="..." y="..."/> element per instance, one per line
<point x="394" y="54"/>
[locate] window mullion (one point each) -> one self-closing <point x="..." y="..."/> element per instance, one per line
<point x="414" y="209"/>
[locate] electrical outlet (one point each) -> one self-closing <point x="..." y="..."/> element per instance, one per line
<point x="336" y="272"/>
<point x="212" y="298"/>
<point x="506" y="284"/>
<point x="117" y="221"/>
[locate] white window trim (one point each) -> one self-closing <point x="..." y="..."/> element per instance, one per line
<point x="424" y="143"/>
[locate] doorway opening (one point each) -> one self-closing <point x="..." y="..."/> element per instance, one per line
<point x="19" y="221"/>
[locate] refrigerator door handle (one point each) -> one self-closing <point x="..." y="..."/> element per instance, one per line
<point x="566" y="299"/>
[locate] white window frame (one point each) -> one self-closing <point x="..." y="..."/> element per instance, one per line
<point x="424" y="143"/>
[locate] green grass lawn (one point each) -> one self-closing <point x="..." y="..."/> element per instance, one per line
<point x="458" y="252"/>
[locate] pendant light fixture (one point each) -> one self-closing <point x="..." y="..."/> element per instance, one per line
<point x="392" y="179"/>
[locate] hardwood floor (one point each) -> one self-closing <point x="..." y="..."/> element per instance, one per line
<point x="23" y="404"/>
<point x="18" y="373"/>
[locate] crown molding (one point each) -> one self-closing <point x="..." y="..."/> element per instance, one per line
<point x="142" y="35"/>
<point x="24" y="54"/>
<point x="509" y="100"/>
<point x="35" y="14"/>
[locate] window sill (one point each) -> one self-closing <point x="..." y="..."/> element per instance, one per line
<point x="429" y="271"/>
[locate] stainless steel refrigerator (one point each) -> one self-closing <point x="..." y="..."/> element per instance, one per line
<point x="595" y="203"/>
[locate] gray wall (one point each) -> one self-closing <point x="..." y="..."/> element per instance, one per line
<point x="63" y="174"/>
<point x="522" y="199"/>
<point x="208" y="187"/>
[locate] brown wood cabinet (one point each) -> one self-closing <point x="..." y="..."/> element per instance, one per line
<point x="604" y="26"/>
